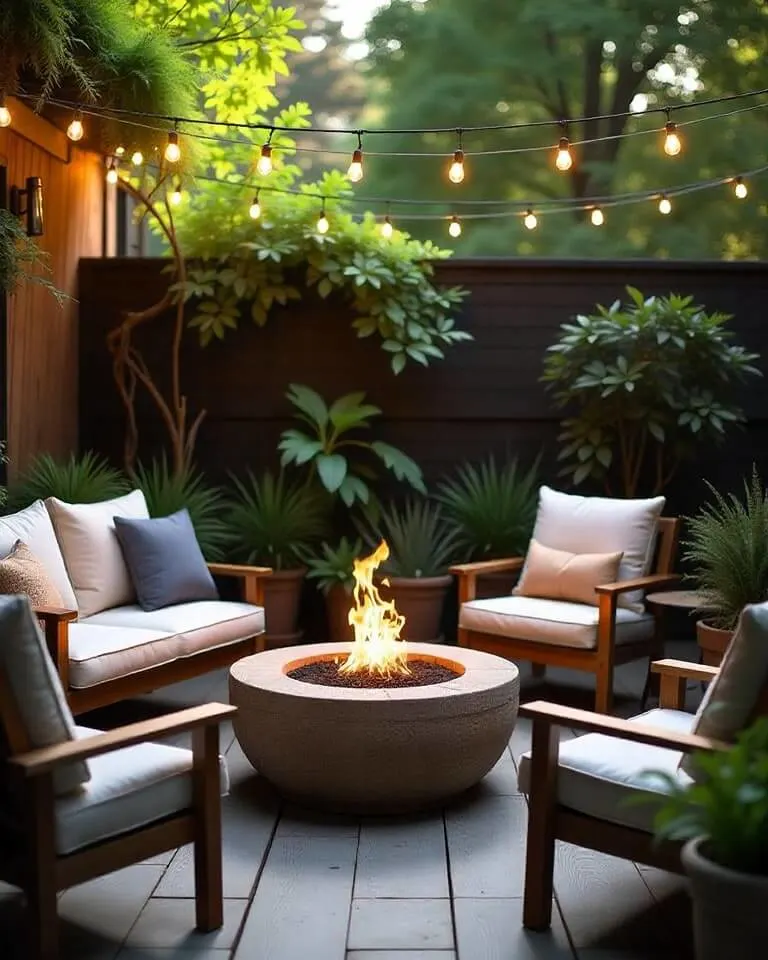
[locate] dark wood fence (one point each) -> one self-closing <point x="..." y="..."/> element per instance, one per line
<point x="485" y="397"/>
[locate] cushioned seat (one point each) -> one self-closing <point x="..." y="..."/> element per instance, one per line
<point x="597" y="774"/>
<point x="126" y="640"/>
<point x="556" y="622"/>
<point x="129" y="788"/>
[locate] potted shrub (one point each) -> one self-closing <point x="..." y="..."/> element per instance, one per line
<point x="271" y="521"/>
<point x="84" y="479"/>
<point x="422" y="545"/>
<point x="727" y="547"/>
<point x="724" y="819"/>
<point x="331" y="568"/>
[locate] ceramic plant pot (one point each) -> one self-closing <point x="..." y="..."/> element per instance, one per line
<point x="713" y="642"/>
<point x="282" y="595"/>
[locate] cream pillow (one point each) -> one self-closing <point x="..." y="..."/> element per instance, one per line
<point x="22" y="572"/>
<point x="92" y="554"/>
<point x="559" y="575"/>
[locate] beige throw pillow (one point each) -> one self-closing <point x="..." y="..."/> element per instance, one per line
<point x="92" y="554"/>
<point x="559" y="575"/>
<point x="22" y="572"/>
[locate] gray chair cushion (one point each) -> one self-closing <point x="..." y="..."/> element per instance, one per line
<point x="165" y="560"/>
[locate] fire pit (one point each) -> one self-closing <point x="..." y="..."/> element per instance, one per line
<point x="373" y="726"/>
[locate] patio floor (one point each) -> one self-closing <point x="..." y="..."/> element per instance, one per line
<point x="442" y="887"/>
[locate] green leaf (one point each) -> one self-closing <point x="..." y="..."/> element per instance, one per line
<point x="325" y="287"/>
<point x="403" y="467"/>
<point x="332" y="469"/>
<point x="310" y="403"/>
<point x="349" y="411"/>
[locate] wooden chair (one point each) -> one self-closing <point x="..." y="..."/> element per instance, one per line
<point x="556" y="778"/>
<point x="604" y="652"/>
<point x="50" y="770"/>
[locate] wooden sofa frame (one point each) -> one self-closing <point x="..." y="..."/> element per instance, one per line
<point x="606" y="655"/>
<point x="56" y="623"/>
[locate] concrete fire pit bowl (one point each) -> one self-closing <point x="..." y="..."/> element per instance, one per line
<point x="373" y="750"/>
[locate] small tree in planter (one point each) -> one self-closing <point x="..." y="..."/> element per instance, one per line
<point x="648" y="381"/>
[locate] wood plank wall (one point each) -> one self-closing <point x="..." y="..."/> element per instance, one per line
<point x="42" y="336"/>
<point x="486" y="396"/>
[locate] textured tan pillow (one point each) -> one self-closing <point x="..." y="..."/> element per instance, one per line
<point x="22" y="572"/>
<point x="559" y="575"/>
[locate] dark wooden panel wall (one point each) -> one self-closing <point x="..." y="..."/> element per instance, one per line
<point x="42" y="336"/>
<point x="486" y="396"/>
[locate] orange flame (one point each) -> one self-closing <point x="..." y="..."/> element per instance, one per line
<point x="377" y="647"/>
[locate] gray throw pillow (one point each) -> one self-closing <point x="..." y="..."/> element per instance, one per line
<point x="165" y="560"/>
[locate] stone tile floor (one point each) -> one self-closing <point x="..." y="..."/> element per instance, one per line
<point x="446" y="886"/>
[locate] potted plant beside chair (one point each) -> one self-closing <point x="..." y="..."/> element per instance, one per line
<point x="727" y="548"/>
<point x="331" y="569"/>
<point x="271" y="521"/>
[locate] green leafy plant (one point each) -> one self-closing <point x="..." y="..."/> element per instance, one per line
<point x="332" y="455"/>
<point x="493" y="507"/>
<point x="272" y="521"/>
<point x="332" y="566"/>
<point x="421" y="541"/>
<point x="649" y="380"/>
<point x="85" y="479"/>
<point x="727" y="804"/>
<point x="21" y="259"/>
<point x="727" y="548"/>
<point x="167" y="491"/>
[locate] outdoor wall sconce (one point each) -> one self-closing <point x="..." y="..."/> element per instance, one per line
<point x="28" y="202"/>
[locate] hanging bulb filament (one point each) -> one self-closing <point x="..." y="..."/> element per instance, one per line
<point x="672" y="143"/>
<point x="137" y="158"/>
<point x="740" y="188"/>
<point x="5" y="113"/>
<point x="254" y="211"/>
<point x="172" y="149"/>
<point x="665" y="204"/>
<point x="112" y="171"/>
<point x="454" y="227"/>
<point x="564" y="159"/>
<point x="175" y="197"/>
<point x="456" y="169"/>
<point x="75" y="130"/>
<point x="264" y="166"/>
<point x="531" y="221"/>
<point x="597" y="217"/>
<point x="322" y="222"/>
<point x="355" y="169"/>
<point x="386" y="228"/>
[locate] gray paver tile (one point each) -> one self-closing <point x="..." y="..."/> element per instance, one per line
<point x="401" y="955"/>
<point x="492" y="929"/>
<point x="109" y="905"/>
<point x="402" y="858"/>
<point x="166" y="922"/>
<point x="400" y="924"/>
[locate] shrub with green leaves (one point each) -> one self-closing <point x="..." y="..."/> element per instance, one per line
<point x="332" y="566"/>
<point x="648" y="381"/>
<point x="422" y="542"/>
<point x="340" y="462"/>
<point x="85" y="479"/>
<point x="727" y="548"/>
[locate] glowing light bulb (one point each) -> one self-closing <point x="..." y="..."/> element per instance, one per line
<point x="254" y="211"/>
<point x="5" y="113"/>
<point x="564" y="160"/>
<point x="665" y="205"/>
<point x="172" y="149"/>
<point x="137" y="158"/>
<point x="322" y="223"/>
<point x="454" y="227"/>
<point x="597" y="217"/>
<point x="740" y="188"/>
<point x="112" y="172"/>
<point x="264" y="166"/>
<point x="672" y="143"/>
<point x="355" y="169"/>
<point x="76" y="130"/>
<point x="456" y="170"/>
<point x="175" y="198"/>
<point x="531" y="221"/>
<point x="386" y="228"/>
<point x="119" y="151"/>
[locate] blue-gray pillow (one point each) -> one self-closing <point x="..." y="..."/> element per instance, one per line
<point x="164" y="560"/>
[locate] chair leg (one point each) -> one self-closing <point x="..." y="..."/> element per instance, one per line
<point x="604" y="688"/>
<point x="40" y="882"/>
<point x="43" y="919"/>
<point x="209" y="909"/>
<point x="540" y="846"/>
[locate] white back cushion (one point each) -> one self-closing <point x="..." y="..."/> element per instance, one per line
<point x="92" y="554"/>
<point x="34" y="528"/>
<point x="602" y="525"/>
<point x="35" y="687"/>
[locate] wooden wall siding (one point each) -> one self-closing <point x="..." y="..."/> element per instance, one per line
<point x="42" y="337"/>
<point x="486" y="396"/>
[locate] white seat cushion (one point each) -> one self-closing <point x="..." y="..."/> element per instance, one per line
<point x="598" y="774"/>
<point x="126" y="640"/>
<point x="556" y="622"/>
<point x="129" y="788"/>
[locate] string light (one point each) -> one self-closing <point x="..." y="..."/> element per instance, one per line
<point x="137" y="158"/>
<point x="665" y="204"/>
<point x="76" y="130"/>
<point x="5" y="113"/>
<point x="740" y="188"/>
<point x="172" y="149"/>
<point x="112" y="172"/>
<point x="355" y="169"/>
<point x="672" y="142"/>
<point x="597" y="217"/>
<point x="322" y="222"/>
<point x="264" y="166"/>
<point x="119" y="151"/>
<point x="456" y="169"/>
<point x="530" y="220"/>
<point x="175" y="198"/>
<point x="564" y="160"/>
<point x="454" y="227"/>
<point x="386" y="228"/>
<point x="254" y="211"/>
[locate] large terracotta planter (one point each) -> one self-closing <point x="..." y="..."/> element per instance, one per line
<point x="420" y="600"/>
<point x="713" y="642"/>
<point x="730" y="915"/>
<point x="337" y="606"/>
<point x="282" y="594"/>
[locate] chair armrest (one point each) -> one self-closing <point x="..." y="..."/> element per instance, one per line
<point x="54" y="614"/>
<point x="684" y="669"/>
<point x="639" y="583"/>
<point x="46" y="759"/>
<point x="56" y="622"/>
<point x="240" y="570"/>
<point x="487" y="566"/>
<point x="555" y="714"/>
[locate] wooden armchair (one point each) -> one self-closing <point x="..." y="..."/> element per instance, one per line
<point x="572" y="635"/>
<point x="79" y="803"/>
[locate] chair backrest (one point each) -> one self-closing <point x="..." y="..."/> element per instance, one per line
<point x="668" y="531"/>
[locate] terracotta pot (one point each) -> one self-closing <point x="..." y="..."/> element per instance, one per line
<point x="713" y="642"/>
<point x="282" y="594"/>
<point x="729" y="908"/>
<point x="420" y="600"/>
<point x="337" y="606"/>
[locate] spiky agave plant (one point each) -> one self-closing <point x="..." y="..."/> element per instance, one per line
<point x="85" y="479"/>
<point x="422" y="542"/>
